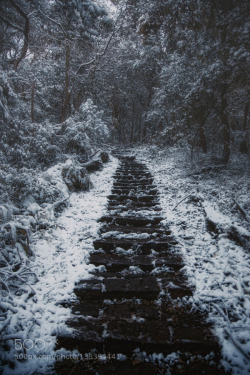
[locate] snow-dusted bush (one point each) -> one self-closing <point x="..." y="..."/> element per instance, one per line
<point x="92" y="119"/>
<point x="75" y="177"/>
<point x="85" y="129"/>
<point x="45" y="152"/>
<point x="5" y="213"/>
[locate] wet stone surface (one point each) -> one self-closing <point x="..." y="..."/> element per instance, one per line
<point x="134" y="308"/>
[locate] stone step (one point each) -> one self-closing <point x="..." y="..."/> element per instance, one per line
<point x="133" y="286"/>
<point x="133" y="210"/>
<point x="126" y="335"/>
<point x="132" y="175"/>
<point x="135" y="198"/>
<point x="129" y="191"/>
<point x="135" y="206"/>
<point x="126" y="157"/>
<point x="117" y="309"/>
<point x="134" y="184"/>
<point x="125" y="185"/>
<point x="146" y="310"/>
<point x="136" y="365"/>
<point x="136" y="191"/>
<point x="130" y="210"/>
<point x="115" y="263"/>
<point x="140" y="237"/>
<point x="139" y="206"/>
<point x="118" y="288"/>
<point x="135" y="181"/>
<point x="138" y="173"/>
<point x="131" y="220"/>
<point x="126" y="244"/>
<point x="134" y="165"/>
<point x="160" y="230"/>
<point x="133" y="172"/>
<point x="130" y="309"/>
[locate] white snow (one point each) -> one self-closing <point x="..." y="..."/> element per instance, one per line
<point x="112" y="9"/>
<point x="61" y="259"/>
<point x="218" y="267"/>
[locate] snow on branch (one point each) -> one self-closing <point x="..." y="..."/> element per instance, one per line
<point x="242" y="211"/>
<point x="219" y="223"/>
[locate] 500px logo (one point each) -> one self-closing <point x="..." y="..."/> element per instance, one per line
<point x="29" y="344"/>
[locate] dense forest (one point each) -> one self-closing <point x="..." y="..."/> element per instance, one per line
<point x="79" y="78"/>
<point x="164" y="72"/>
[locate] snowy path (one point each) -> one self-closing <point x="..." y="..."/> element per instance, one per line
<point x="133" y="314"/>
<point x="217" y="267"/>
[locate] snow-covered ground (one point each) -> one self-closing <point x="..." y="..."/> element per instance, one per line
<point x="61" y="254"/>
<point x="217" y="264"/>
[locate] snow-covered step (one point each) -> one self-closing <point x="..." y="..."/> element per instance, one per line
<point x="134" y="191"/>
<point x="136" y="173"/>
<point x="112" y="244"/>
<point x="127" y="185"/>
<point x="114" y="262"/>
<point x="131" y="220"/>
<point x="133" y="208"/>
<point x="118" y="288"/>
<point x="134" y="182"/>
<point x="136" y="198"/>
<point x="159" y="230"/>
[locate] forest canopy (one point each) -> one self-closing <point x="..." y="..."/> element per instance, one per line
<point x="166" y="72"/>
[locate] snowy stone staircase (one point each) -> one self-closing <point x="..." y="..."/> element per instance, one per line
<point x="133" y="316"/>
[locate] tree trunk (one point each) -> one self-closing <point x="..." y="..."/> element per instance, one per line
<point x="225" y="124"/>
<point x="66" y="92"/>
<point x="139" y="127"/>
<point x="32" y="101"/>
<point x="246" y="112"/>
<point x="144" y="132"/>
<point x="244" y="145"/>
<point x="25" y="33"/>
<point x="203" y="141"/>
<point x="132" y="133"/>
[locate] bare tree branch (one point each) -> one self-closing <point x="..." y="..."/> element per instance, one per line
<point x="11" y="24"/>
<point x="25" y="32"/>
<point x="55" y="22"/>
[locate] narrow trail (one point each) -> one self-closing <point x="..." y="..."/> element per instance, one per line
<point x="132" y="316"/>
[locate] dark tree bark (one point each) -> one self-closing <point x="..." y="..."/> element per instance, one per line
<point x="244" y="145"/>
<point x="132" y="132"/>
<point x="66" y="92"/>
<point x="25" y="33"/>
<point x="32" y="111"/>
<point x="203" y="141"/>
<point x="225" y="124"/>
<point x="246" y="113"/>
